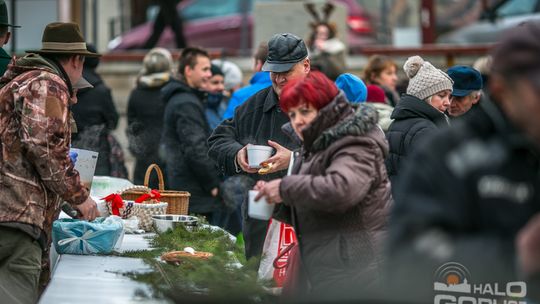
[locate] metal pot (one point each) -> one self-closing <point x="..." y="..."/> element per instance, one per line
<point x="162" y="223"/>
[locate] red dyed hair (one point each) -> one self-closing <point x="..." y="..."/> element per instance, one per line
<point x="315" y="89"/>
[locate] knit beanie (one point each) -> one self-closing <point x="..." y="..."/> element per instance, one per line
<point x="233" y="74"/>
<point x="354" y="87"/>
<point x="375" y="94"/>
<point x="425" y="79"/>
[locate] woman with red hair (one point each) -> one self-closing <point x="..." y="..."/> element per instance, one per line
<point x="338" y="195"/>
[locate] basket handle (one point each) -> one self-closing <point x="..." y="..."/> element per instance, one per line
<point x="159" y="174"/>
<point x="143" y="188"/>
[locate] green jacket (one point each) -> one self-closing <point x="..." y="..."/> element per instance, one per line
<point x="4" y="60"/>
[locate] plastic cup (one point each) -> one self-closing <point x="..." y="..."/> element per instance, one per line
<point x="257" y="154"/>
<point x="260" y="210"/>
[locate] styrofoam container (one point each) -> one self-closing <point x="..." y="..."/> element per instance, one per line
<point x="257" y="154"/>
<point x="260" y="209"/>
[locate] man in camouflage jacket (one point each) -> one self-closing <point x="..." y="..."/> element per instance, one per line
<point x="36" y="173"/>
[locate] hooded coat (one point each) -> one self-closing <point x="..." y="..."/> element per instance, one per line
<point x="185" y="130"/>
<point x="145" y="124"/>
<point x="96" y="117"/>
<point x="338" y="198"/>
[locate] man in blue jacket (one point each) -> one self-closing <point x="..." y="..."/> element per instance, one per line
<point x="259" y="81"/>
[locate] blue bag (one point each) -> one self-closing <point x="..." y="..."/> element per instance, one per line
<point x="72" y="236"/>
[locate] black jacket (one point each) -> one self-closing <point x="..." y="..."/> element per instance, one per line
<point x="463" y="197"/>
<point x="256" y="121"/>
<point x="414" y="119"/>
<point x="185" y="131"/>
<point x="145" y="125"/>
<point x="95" y="116"/>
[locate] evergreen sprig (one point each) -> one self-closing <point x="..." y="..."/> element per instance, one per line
<point x="218" y="279"/>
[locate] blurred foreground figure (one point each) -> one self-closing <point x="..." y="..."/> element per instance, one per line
<point x="470" y="194"/>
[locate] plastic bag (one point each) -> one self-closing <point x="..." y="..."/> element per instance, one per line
<point x="131" y="225"/>
<point x="105" y="185"/>
<point x="276" y="250"/>
<point x="72" y="236"/>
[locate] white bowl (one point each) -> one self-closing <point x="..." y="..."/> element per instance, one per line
<point x="164" y="222"/>
<point x="257" y="154"/>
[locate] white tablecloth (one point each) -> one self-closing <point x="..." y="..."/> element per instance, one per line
<point x="97" y="279"/>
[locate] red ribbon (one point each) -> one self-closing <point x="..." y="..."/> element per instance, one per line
<point x="154" y="194"/>
<point x="116" y="203"/>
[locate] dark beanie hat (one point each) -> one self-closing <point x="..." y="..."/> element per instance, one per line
<point x="91" y="62"/>
<point x="375" y="94"/>
<point x="216" y="70"/>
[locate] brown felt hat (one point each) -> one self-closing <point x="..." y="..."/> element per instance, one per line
<point x="63" y="38"/>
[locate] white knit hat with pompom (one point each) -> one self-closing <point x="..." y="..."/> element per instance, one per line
<point x="425" y="79"/>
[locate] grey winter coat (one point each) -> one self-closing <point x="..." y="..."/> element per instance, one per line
<point x="339" y="198"/>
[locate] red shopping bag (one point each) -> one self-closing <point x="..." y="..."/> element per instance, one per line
<point x="279" y="240"/>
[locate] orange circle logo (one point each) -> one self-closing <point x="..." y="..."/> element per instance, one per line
<point x="452" y="279"/>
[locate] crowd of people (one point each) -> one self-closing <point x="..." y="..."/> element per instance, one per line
<point x="381" y="186"/>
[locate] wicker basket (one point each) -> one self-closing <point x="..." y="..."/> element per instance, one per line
<point x="177" y="257"/>
<point x="178" y="200"/>
<point x="145" y="211"/>
<point x="125" y="212"/>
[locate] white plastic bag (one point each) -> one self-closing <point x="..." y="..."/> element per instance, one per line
<point x="131" y="225"/>
<point x="279" y="237"/>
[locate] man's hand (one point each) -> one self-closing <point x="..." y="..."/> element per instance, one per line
<point x="269" y="190"/>
<point x="214" y="192"/>
<point x="528" y="246"/>
<point x="88" y="209"/>
<point x="242" y="161"/>
<point x="280" y="160"/>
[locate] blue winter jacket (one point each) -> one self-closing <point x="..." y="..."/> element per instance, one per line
<point x="259" y="81"/>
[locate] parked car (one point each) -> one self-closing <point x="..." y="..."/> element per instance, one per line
<point x="219" y="24"/>
<point x="495" y="20"/>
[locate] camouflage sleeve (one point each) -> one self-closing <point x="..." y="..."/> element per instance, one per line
<point x="46" y="133"/>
